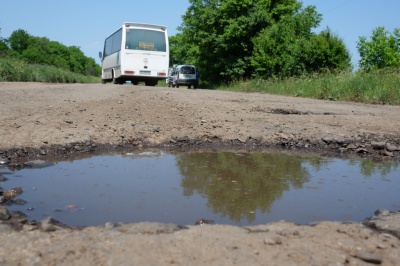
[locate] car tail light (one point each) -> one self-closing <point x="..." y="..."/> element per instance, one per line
<point x="163" y="74"/>
<point x="129" y="72"/>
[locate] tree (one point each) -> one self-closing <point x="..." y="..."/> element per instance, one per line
<point x="40" y="50"/>
<point x="19" y="40"/>
<point x="223" y="32"/>
<point x="381" y="51"/>
<point x="231" y="40"/>
<point x="3" y="46"/>
<point x="284" y="48"/>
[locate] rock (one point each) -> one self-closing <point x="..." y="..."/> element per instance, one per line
<point x="378" y="145"/>
<point x="37" y="164"/>
<point x="385" y="222"/>
<point x="49" y="225"/>
<point x="4" y="213"/>
<point x="328" y="139"/>
<point x="369" y="257"/>
<point x="387" y="153"/>
<point x="12" y="193"/>
<point x="382" y="212"/>
<point x="352" y="146"/>
<point x="109" y="225"/>
<point x="275" y="240"/>
<point x="30" y="227"/>
<point x="390" y="147"/>
<point x="78" y="148"/>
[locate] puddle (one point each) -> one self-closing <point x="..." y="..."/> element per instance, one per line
<point x="226" y="187"/>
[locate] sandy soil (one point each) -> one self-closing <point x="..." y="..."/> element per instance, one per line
<point x="46" y="121"/>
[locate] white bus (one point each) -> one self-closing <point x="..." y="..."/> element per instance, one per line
<point x="136" y="52"/>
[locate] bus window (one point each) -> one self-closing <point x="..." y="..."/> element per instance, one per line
<point x="137" y="39"/>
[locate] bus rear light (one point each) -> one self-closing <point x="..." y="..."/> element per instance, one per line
<point x="163" y="74"/>
<point x="129" y="72"/>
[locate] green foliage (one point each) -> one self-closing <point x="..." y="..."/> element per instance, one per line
<point x="3" y="46"/>
<point x="19" y="40"/>
<point x="18" y="70"/>
<point x="232" y="40"/>
<point x="42" y="51"/>
<point x="381" y="51"/>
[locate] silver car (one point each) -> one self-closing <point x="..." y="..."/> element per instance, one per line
<point x="185" y="75"/>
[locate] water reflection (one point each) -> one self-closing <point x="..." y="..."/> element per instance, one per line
<point x="228" y="187"/>
<point x="238" y="184"/>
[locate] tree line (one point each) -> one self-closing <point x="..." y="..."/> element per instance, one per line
<point x="42" y="51"/>
<point x="233" y="40"/>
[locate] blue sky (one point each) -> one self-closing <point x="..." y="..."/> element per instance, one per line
<point x="86" y="23"/>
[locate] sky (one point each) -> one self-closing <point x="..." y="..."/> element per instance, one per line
<point x="86" y="23"/>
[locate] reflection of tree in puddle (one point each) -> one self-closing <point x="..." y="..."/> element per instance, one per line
<point x="238" y="184"/>
<point x="369" y="167"/>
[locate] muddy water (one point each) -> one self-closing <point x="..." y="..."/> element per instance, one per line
<point x="236" y="188"/>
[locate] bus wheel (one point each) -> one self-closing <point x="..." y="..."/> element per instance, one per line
<point x="190" y="86"/>
<point x="135" y="82"/>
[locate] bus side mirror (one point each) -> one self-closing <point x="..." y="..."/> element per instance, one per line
<point x="100" y="55"/>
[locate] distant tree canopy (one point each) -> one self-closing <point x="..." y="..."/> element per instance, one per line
<point x="3" y="45"/>
<point x="36" y="50"/>
<point x="231" y="40"/>
<point x="381" y="51"/>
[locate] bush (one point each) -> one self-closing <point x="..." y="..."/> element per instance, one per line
<point x="17" y="70"/>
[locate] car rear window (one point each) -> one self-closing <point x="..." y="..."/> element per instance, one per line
<point x="187" y="70"/>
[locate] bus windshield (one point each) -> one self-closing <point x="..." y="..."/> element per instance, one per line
<point x="147" y="40"/>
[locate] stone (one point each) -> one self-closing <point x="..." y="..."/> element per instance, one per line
<point x="369" y="257"/>
<point x="48" y="225"/>
<point x="328" y="139"/>
<point x="382" y="212"/>
<point x="12" y="193"/>
<point x="275" y="240"/>
<point x="37" y="164"/>
<point x="378" y="145"/>
<point x="4" y="213"/>
<point x="390" y="147"/>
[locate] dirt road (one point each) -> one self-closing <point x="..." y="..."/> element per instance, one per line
<point x="43" y="121"/>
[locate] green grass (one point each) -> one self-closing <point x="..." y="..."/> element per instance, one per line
<point x="381" y="87"/>
<point x="17" y="70"/>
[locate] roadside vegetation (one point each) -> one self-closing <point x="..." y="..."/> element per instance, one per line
<point x="251" y="46"/>
<point x="270" y="47"/>
<point x="24" y="57"/>
<point x="16" y="70"/>
<point x="378" y="87"/>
